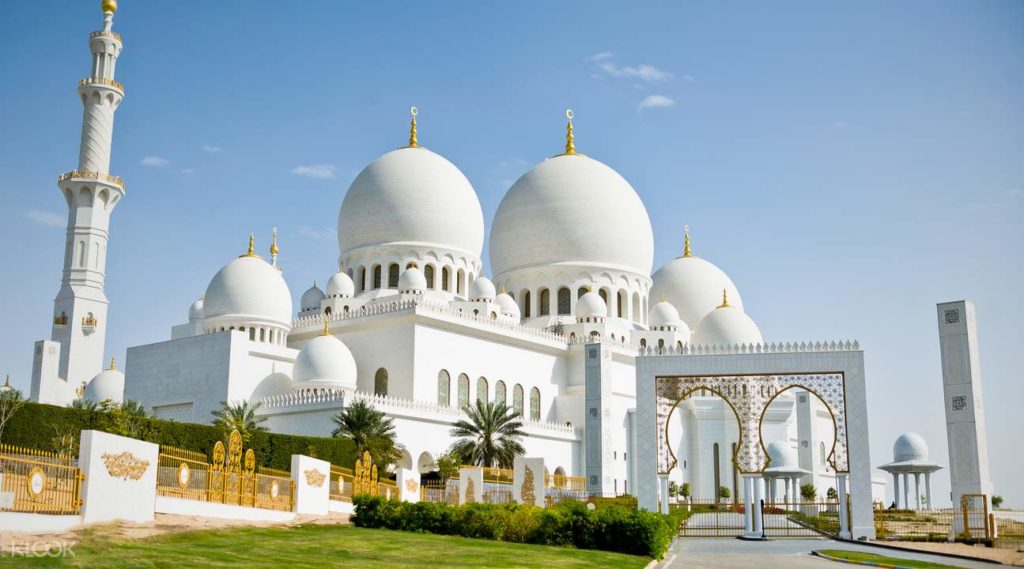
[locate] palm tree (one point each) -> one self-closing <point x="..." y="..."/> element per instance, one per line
<point x="370" y="431"/>
<point x="491" y="435"/>
<point x="83" y="403"/>
<point x="239" y="417"/>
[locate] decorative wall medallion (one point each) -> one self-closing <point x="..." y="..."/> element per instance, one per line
<point x="275" y="489"/>
<point x="526" y="493"/>
<point x="959" y="402"/>
<point x="184" y="474"/>
<point x="36" y="482"/>
<point x="411" y="485"/>
<point x="952" y="316"/>
<point x="125" y="465"/>
<point x="315" y="478"/>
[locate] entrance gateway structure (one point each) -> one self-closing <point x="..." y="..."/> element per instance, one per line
<point x="748" y="378"/>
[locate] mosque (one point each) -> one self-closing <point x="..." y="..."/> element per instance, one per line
<point x="409" y="321"/>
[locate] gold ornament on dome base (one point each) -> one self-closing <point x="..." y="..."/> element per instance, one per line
<point x="315" y="478"/>
<point x="125" y="465"/>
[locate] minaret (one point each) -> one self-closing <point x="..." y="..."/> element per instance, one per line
<point x="91" y="193"/>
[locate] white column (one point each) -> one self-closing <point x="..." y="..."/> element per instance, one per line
<point x="758" y="496"/>
<point x="748" y="505"/>
<point x="917" y="489"/>
<point x="844" y="525"/>
<point x="896" y="489"/>
<point x="928" y="489"/>
<point x="906" y="491"/>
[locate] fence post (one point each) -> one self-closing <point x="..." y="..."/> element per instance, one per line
<point x="471" y="485"/>
<point x="408" y="484"/>
<point x="310" y="478"/>
<point x="120" y="477"/>
<point x="528" y="481"/>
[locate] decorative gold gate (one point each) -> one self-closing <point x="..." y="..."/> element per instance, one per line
<point x="365" y="478"/>
<point x="974" y="509"/>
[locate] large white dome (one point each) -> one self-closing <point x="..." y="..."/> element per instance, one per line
<point x="726" y="326"/>
<point x="694" y="287"/>
<point x="571" y="210"/>
<point x="782" y="455"/>
<point x="324" y="361"/>
<point x="247" y="291"/>
<point x="910" y="446"/>
<point x="411" y="195"/>
<point x="108" y="384"/>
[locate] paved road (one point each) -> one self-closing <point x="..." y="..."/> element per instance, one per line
<point x="729" y="553"/>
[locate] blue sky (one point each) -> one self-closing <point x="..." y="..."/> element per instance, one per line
<point x="848" y="165"/>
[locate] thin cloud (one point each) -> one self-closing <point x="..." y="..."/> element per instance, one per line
<point x="210" y="149"/>
<point x="657" y="101"/>
<point x="644" y="72"/>
<point x="601" y="56"/>
<point x="321" y="171"/>
<point x="187" y="170"/>
<point x="155" y="161"/>
<point x="45" y="218"/>
<point x="318" y="234"/>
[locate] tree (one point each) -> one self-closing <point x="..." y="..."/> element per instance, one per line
<point x="673" y="489"/>
<point x="239" y="417"/>
<point x="832" y="494"/>
<point x="83" y="403"/>
<point x="10" y="401"/>
<point x="997" y="501"/>
<point x="126" y="419"/>
<point x="448" y="465"/>
<point x="370" y="431"/>
<point x="808" y="492"/>
<point x="684" y="490"/>
<point x="491" y="435"/>
<point x="724" y="492"/>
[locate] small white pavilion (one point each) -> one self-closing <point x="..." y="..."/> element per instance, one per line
<point x="783" y="467"/>
<point x="910" y="457"/>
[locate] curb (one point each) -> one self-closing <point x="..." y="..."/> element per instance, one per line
<point x="816" y="553"/>
<point x="893" y="547"/>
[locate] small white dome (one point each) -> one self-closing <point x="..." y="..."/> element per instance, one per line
<point x="572" y="210"/>
<point x="508" y="305"/>
<point x="340" y="284"/>
<point x="324" y="361"/>
<point x="195" y="312"/>
<point x="411" y="195"/>
<point x="591" y="305"/>
<point x="725" y="326"/>
<point x="108" y="384"/>
<point x="910" y="446"/>
<point x="664" y="314"/>
<point x="482" y="289"/>
<point x="247" y="290"/>
<point x="412" y="279"/>
<point x="311" y="299"/>
<point x="782" y="455"/>
<point x="694" y="287"/>
<point x="273" y="384"/>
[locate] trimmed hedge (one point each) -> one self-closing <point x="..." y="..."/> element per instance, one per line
<point x="37" y="426"/>
<point x="568" y="523"/>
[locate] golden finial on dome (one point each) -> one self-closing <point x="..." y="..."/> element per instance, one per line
<point x="327" y="327"/>
<point x="113" y="363"/>
<point x="725" y="300"/>
<point x="273" y="244"/>
<point x="664" y="298"/>
<point x="108" y="6"/>
<point x="7" y="383"/>
<point x="413" y="141"/>
<point x="252" y="247"/>
<point x="570" y="140"/>
<point x="686" y="242"/>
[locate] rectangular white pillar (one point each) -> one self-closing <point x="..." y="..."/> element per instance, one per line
<point x="120" y="477"/>
<point x="527" y="478"/>
<point x="471" y="485"/>
<point x="408" y="480"/>
<point x="311" y="477"/>
<point x="844" y="523"/>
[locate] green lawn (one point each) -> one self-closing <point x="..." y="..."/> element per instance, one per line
<point x="322" y="545"/>
<point x="859" y="556"/>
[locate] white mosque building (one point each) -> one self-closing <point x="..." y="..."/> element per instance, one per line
<point x="410" y="322"/>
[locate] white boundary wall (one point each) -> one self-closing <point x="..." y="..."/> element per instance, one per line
<point x="120" y="477"/>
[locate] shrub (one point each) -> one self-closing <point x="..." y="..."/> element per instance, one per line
<point x="48" y="427"/>
<point x="569" y="523"/>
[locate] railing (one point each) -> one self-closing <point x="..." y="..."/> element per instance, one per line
<point x="341" y="483"/>
<point x="497" y="475"/>
<point x="711" y="518"/>
<point x="117" y="181"/>
<point x="440" y="492"/>
<point x="497" y="493"/>
<point x="102" y="81"/>
<point x="105" y="34"/>
<point x="388" y="489"/>
<point x="182" y="473"/>
<point x="772" y="348"/>
<point x="39" y="481"/>
<point x="558" y="488"/>
<point x="274" y="489"/>
<point x="970" y="523"/>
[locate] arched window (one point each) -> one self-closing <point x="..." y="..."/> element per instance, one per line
<point x="460" y="282"/>
<point x="603" y="293"/>
<point x="643" y="342"/>
<point x="535" y="403"/>
<point x="481" y="390"/>
<point x="545" y="302"/>
<point x="526" y="296"/>
<point x="380" y="382"/>
<point x="661" y="344"/>
<point x="580" y="292"/>
<point x="564" y="301"/>
<point x="376" y="276"/>
<point x="463" y="391"/>
<point x="499" y="393"/>
<point x="446" y="280"/>
<point x="637" y="317"/>
<point x="620" y="307"/>
<point x="327" y="311"/>
<point x="444" y="388"/>
<point x="428" y="273"/>
<point x="821" y="448"/>
<point x="517" y="399"/>
<point x="718" y="473"/>
<point x="393" y="275"/>
<point x="361" y="283"/>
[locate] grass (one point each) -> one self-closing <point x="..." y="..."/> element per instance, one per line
<point x="881" y="559"/>
<point x="324" y="546"/>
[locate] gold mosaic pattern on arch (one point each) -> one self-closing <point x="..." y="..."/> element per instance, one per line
<point x="749" y="397"/>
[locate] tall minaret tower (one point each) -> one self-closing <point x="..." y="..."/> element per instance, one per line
<point x="74" y="353"/>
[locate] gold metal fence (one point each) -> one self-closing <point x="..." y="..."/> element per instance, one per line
<point x="388" y="489"/>
<point x="39" y="481"/>
<point x="559" y="488"/>
<point x="497" y="475"/>
<point x="273" y="489"/>
<point x="341" y="483"/>
<point x="182" y="473"/>
<point x="440" y="491"/>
